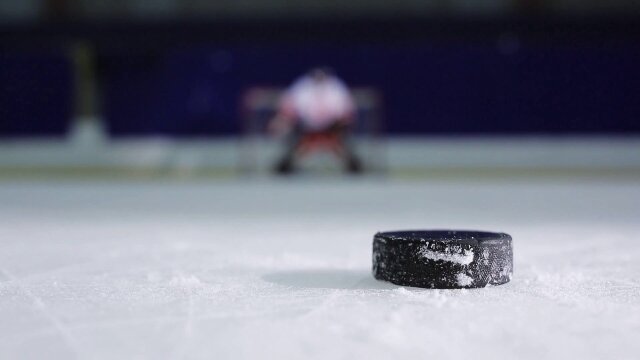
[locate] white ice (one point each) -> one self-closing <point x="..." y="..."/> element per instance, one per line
<point x="281" y="270"/>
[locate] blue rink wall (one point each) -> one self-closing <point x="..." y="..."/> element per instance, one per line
<point x="429" y="87"/>
<point x="36" y="92"/>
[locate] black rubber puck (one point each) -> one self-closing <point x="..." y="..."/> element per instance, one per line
<point x="443" y="259"/>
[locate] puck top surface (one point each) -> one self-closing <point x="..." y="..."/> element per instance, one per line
<point x="458" y="236"/>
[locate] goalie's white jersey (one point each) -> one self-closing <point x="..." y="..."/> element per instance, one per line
<point x="318" y="104"/>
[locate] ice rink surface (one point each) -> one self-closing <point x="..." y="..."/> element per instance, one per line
<point x="281" y="270"/>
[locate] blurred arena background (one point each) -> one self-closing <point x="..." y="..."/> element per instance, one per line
<point x="462" y="88"/>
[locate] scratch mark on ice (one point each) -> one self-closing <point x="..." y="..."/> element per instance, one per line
<point x="64" y="332"/>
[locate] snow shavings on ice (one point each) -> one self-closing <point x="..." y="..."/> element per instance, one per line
<point x="183" y="281"/>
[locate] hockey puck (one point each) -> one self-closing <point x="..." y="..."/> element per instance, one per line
<point x="443" y="259"/>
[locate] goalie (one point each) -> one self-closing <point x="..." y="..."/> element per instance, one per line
<point x="316" y="112"/>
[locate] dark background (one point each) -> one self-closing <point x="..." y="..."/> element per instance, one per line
<point x="515" y="73"/>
